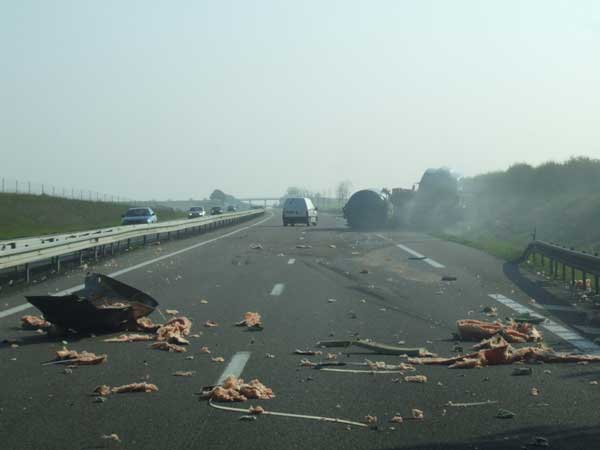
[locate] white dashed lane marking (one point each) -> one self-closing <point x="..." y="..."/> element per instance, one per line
<point x="573" y="338"/>
<point x="431" y="262"/>
<point x="278" y="289"/>
<point x="235" y="366"/>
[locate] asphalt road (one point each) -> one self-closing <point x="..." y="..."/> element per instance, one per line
<point x="398" y="300"/>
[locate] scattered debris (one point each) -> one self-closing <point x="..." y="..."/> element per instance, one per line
<point x="256" y="410"/>
<point x="34" y="323"/>
<point x="235" y="390"/>
<point x="204" y="350"/>
<point x="146" y="324"/>
<point x="371" y="420"/>
<point x="252" y="320"/>
<point x="183" y="373"/>
<point x="507" y="355"/>
<point x="417" y="258"/>
<point x="308" y="352"/>
<point x="111" y="437"/>
<point x="535" y="391"/>
<point x="522" y="371"/>
<point x="162" y="345"/>
<point x="103" y="390"/>
<point x="269" y="355"/>
<point x="131" y="338"/>
<point x="331" y="300"/>
<point x="396" y="419"/>
<point x="303" y="246"/>
<point x="204" y="301"/>
<point x="78" y="358"/>
<point x="247" y="418"/>
<point x="364" y="271"/>
<point x="134" y="387"/>
<point x="104" y="304"/>
<point x="348" y="423"/>
<point x="466" y="405"/>
<point x="505" y="414"/>
<point x="171" y="312"/>
<point x="490" y="311"/>
<point x="218" y="359"/>
<point x="210" y="324"/>
<point x="418" y="414"/>
<point x="527" y="317"/>
<point x="332" y="246"/>
<point x="539" y="441"/>
<point x="415" y="379"/>
<point x="174" y="331"/>
<point x="256" y="246"/>
<point x="448" y="278"/>
<point x="475" y="330"/>
<point x="376" y="347"/>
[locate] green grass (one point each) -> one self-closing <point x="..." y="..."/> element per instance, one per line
<point x="508" y="251"/>
<point x="23" y="215"/>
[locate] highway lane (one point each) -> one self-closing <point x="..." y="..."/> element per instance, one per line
<point x="399" y="299"/>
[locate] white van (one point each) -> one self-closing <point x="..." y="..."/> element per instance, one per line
<point x="299" y="210"/>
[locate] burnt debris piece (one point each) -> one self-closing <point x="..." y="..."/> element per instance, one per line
<point x="104" y="304"/>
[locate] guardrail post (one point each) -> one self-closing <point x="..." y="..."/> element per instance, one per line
<point x="563" y="271"/>
<point x="27" y="273"/>
<point x="81" y="257"/>
<point x="96" y="253"/>
<point x="572" y="276"/>
<point x="597" y="288"/>
<point x="144" y="240"/>
<point x="584" y="279"/>
<point x="57" y="264"/>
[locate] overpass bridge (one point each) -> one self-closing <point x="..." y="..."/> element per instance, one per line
<point x="264" y="200"/>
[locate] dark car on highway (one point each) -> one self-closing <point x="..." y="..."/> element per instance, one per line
<point x="135" y="216"/>
<point x="231" y="208"/>
<point x="216" y="210"/>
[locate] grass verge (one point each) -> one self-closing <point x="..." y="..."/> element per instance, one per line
<point x="23" y="215"/>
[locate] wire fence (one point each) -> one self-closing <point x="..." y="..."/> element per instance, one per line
<point x="16" y="186"/>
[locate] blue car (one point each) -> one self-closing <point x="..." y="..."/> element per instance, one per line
<point x="135" y="216"/>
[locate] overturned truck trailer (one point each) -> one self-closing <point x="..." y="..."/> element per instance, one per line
<point x="367" y="209"/>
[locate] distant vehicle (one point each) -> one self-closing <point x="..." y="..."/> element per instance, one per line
<point x="216" y="210"/>
<point x="299" y="210"/>
<point x="135" y="216"/>
<point x="231" y="208"/>
<point x="196" y="211"/>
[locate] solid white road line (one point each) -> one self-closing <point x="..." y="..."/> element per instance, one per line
<point x="291" y="261"/>
<point x="278" y="289"/>
<point x="25" y="306"/>
<point x="573" y="338"/>
<point x="235" y="366"/>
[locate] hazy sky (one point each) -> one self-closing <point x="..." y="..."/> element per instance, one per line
<point x="171" y="99"/>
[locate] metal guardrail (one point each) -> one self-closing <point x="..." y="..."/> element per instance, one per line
<point x="23" y="252"/>
<point x="586" y="263"/>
